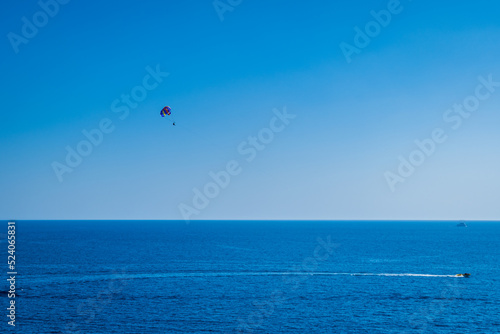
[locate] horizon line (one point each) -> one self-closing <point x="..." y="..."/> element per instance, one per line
<point x="263" y="220"/>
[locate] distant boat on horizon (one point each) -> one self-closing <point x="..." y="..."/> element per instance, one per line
<point x="462" y="224"/>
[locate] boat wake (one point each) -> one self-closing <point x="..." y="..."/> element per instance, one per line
<point x="74" y="279"/>
<point x="384" y="274"/>
<point x="414" y="275"/>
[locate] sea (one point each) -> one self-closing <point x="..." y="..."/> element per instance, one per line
<point x="253" y="277"/>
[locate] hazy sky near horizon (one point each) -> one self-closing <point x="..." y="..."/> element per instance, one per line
<point x="312" y="110"/>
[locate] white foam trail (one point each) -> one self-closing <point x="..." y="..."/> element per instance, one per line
<point x="117" y="277"/>
<point x="406" y="274"/>
<point x="234" y="274"/>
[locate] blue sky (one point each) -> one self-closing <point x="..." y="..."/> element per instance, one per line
<point x="227" y="80"/>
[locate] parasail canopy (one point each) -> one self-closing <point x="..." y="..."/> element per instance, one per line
<point x="166" y="111"/>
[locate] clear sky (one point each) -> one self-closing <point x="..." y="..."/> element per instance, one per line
<point x="311" y="110"/>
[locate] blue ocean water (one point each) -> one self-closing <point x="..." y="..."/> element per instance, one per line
<point x="256" y="277"/>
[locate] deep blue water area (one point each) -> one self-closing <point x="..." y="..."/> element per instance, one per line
<point x="255" y="277"/>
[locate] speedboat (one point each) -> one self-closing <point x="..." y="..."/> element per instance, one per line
<point x="463" y="275"/>
<point x="462" y="224"/>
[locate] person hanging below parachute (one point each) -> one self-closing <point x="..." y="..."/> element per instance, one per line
<point x="167" y="111"/>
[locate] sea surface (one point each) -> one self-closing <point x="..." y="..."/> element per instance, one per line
<point x="254" y="277"/>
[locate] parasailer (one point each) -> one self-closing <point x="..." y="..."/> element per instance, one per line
<point x="166" y="111"/>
